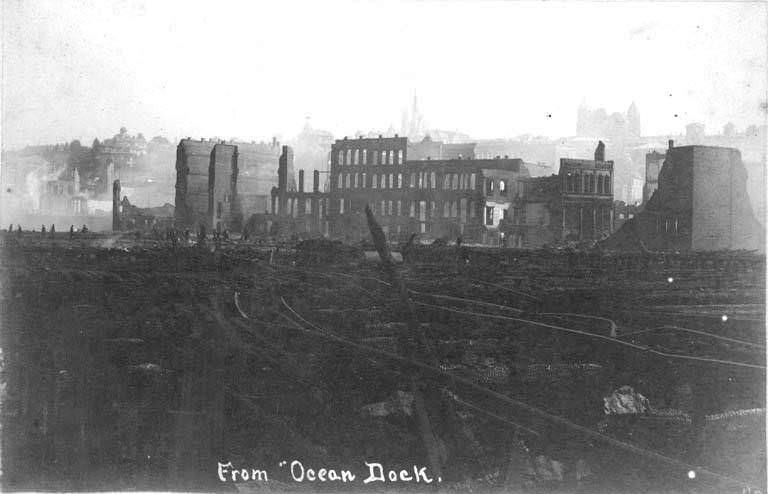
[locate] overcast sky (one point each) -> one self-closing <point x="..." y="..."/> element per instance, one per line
<point x="82" y="69"/>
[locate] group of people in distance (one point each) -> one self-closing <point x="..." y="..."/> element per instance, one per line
<point x="52" y="231"/>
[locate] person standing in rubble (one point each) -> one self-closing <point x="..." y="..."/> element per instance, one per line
<point x="18" y="229"/>
<point x="10" y="228"/>
<point x="71" y="232"/>
<point x="53" y="230"/>
<point x="84" y="229"/>
<point x="42" y="231"/>
<point x="226" y="234"/>
<point x="201" y="235"/>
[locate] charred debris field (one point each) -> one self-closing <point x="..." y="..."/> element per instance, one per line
<point x="146" y="366"/>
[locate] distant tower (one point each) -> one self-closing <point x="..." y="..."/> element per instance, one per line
<point x="404" y="124"/>
<point x="416" y="128"/>
<point x="633" y="120"/>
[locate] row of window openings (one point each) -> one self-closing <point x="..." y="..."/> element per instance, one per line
<point x="451" y="209"/>
<point x="357" y="157"/>
<point x="424" y="180"/>
<point x="293" y="207"/>
<point x="588" y="184"/>
<point x="668" y="226"/>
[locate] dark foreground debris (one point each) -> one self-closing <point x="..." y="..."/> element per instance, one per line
<point x="142" y="367"/>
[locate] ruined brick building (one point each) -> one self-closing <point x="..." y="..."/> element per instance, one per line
<point x="219" y="183"/>
<point x="257" y="162"/>
<point x="435" y="198"/>
<point x="206" y="184"/>
<point x="129" y="217"/>
<point x="574" y="205"/>
<point x="701" y="204"/>
<point x="295" y="210"/>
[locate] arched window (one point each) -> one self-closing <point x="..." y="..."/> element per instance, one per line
<point x="389" y="208"/>
<point x="400" y="157"/>
<point x="490" y="185"/>
<point x="391" y="157"/>
<point x="357" y="180"/>
<point x="446" y="182"/>
<point x="599" y="184"/>
<point x="433" y="180"/>
<point x="502" y="186"/>
<point x="383" y="182"/>
<point x="341" y="157"/>
<point x="349" y="157"/>
<point x="607" y="185"/>
<point x="357" y="157"/>
<point x="383" y="157"/>
<point x="362" y="181"/>
<point x="349" y="179"/>
<point x="399" y="180"/>
<point x="413" y="180"/>
<point x="592" y="183"/>
<point x="375" y="156"/>
<point x="446" y="209"/>
<point x="471" y="208"/>
<point x="472" y="181"/>
<point x="374" y="181"/>
<point x="454" y="209"/>
<point x="340" y="182"/>
<point x="383" y="207"/>
<point x="365" y="156"/>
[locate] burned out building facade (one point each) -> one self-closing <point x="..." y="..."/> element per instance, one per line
<point x="130" y="217"/>
<point x="220" y="184"/>
<point x="257" y="162"/>
<point x="433" y="198"/>
<point x="62" y="195"/>
<point x="701" y="204"/>
<point x="576" y="205"/>
<point x="293" y="209"/>
<point x="206" y="185"/>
